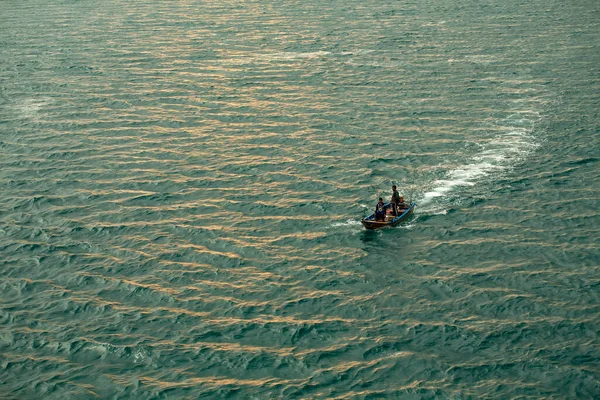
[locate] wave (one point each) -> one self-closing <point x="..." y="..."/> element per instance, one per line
<point x="290" y="55"/>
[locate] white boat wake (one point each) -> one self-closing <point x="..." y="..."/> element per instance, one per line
<point x="498" y="155"/>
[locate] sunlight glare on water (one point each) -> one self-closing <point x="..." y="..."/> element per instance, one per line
<point x="182" y="184"/>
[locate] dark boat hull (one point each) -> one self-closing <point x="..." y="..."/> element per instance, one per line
<point x="370" y="222"/>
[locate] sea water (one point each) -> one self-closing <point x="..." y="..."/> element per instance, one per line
<point x="182" y="183"/>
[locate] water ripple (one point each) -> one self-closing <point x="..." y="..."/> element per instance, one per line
<point x="181" y="194"/>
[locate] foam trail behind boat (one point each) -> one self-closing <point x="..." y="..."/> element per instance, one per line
<point x="498" y="155"/>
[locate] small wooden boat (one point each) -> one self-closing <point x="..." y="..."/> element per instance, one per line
<point x="390" y="219"/>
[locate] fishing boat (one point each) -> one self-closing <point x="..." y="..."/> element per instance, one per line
<point x="390" y="219"/>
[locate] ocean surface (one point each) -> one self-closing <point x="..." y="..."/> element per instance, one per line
<point x="182" y="183"/>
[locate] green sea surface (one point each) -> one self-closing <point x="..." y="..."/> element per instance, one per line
<point x="182" y="183"/>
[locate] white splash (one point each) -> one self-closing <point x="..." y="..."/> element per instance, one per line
<point x="350" y="222"/>
<point x="138" y="357"/>
<point x="31" y="108"/>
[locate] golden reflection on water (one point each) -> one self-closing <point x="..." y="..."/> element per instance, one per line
<point x="183" y="184"/>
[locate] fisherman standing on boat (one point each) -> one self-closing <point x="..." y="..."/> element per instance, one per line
<point x="395" y="201"/>
<point x="380" y="211"/>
